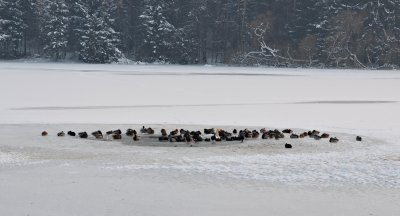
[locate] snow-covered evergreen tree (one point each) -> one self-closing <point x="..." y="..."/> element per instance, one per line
<point x="31" y="18"/>
<point x="54" y="29"/>
<point x="158" y="34"/>
<point x="124" y="17"/>
<point x="11" y="28"/>
<point x="182" y="14"/>
<point x="98" y="41"/>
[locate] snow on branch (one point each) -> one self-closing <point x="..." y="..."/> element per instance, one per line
<point x="259" y="31"/>
<point x="267" y="53"/>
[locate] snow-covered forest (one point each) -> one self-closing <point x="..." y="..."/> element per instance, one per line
<point x="285" y="33"/>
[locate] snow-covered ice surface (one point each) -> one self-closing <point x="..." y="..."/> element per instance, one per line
<point x="71" y="176"/>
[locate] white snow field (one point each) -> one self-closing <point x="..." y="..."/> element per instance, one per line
<point x="71" y="176"/>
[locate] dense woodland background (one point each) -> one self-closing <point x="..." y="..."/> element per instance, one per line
<point x="284" y="33"/>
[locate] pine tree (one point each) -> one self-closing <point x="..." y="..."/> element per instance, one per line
<point x="31" y="19"/>
<point x="77" y="17"/>
<point x="303" y="24"/>
<point x="54" y="29"/>
<point x="98" y="41"/>
<point x="159" y="36"/>
<point x="125" y="16"/>
<point x="182" y="15"/>
<point x="11" y="28"/>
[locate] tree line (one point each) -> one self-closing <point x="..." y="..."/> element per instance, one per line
<point x="284" y="33"/>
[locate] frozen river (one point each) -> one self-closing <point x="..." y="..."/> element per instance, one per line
<point x="71" y="176"/>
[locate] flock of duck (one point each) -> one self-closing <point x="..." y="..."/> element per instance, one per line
<point x="208" y="135"/>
